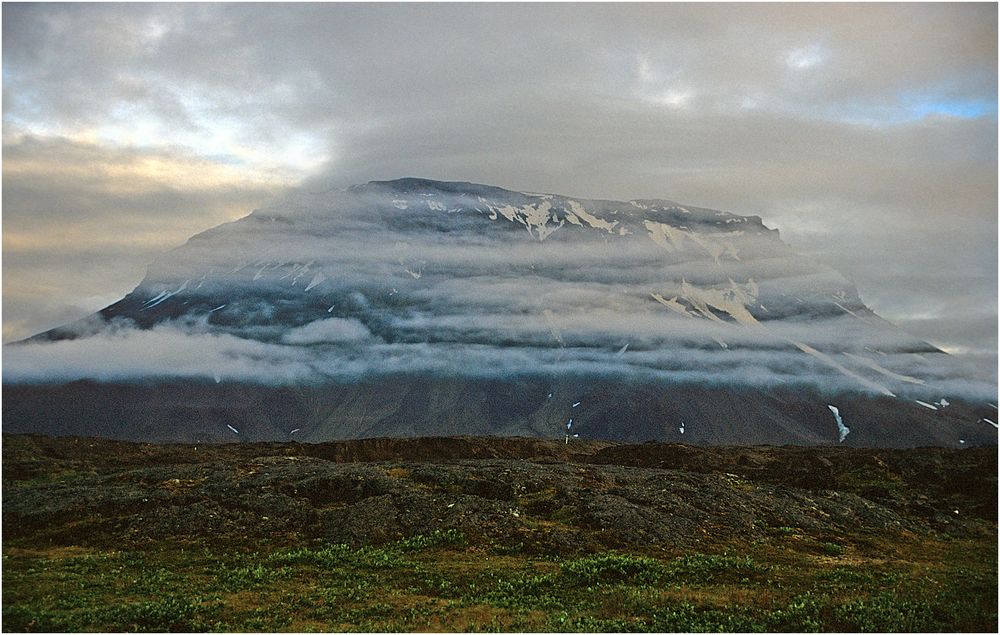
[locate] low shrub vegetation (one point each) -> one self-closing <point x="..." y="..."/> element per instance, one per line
<point x="269" y="544"/>
<point x="438" y="581"/>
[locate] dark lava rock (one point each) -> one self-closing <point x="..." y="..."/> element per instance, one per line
<point x="582" y="498"/>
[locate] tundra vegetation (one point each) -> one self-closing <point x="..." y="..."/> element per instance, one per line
<point x="495" y="535"/>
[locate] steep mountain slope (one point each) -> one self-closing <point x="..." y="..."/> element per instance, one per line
<point x="416" y="307"/>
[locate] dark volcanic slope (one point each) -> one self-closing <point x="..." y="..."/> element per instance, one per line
<point x="547" y="495"/>
<point x="413" y="406"/>
<point x="416" y="307"/>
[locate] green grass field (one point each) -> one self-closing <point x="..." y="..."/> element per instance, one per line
<point x="783" y="582"/>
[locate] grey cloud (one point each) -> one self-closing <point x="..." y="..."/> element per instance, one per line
<point x="327" y="331"/>
<point x="424" y="54"/>
<point x="82" y="222"/>
<point x="557" y="98"/>
<point x="64" y="186"/>
<point x="162" y="352"/>
<point x="167" y="351"/>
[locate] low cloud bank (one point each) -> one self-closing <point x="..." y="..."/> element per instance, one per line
<point x="167" y="351"/>
<point x="171" y="352"/>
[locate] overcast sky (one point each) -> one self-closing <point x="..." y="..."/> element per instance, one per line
<point x="866" y="133"/>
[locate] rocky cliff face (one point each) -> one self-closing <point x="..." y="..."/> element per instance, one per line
<point x="416" y="307"/>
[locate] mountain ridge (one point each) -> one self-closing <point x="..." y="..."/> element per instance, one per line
<point x="433" y="290"/>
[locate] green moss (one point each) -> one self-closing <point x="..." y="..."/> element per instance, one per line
<point x="832" y="549"/>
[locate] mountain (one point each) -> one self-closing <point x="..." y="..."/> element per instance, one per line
<point x="417" y="307"/>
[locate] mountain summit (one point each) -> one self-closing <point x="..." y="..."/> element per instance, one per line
<point x="418" y="307"/>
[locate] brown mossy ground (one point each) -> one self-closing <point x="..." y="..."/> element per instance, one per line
<point x="495" y="534"/>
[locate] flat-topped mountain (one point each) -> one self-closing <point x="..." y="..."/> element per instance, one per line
<point x="418" y="307"/>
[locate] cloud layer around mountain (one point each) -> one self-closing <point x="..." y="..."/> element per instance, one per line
<point x="341" y="286"/>
<point x="171" y="352"/>
<point x="867" y="134"/>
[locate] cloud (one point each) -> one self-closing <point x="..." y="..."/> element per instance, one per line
<point x="171" y="352"/>
<point x="331" y="330"/>
<point x="82" y="221"/>
<point x="128" y="354"/>
<point x="849" y="128"/>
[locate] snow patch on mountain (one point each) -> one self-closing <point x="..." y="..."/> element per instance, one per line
<point x="317" y="280"/>
<point x="590" y="219"/>
<point x="842" y="430"/>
